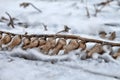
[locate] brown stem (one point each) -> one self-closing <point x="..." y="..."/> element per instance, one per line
<point x="35" y="7"/>
<point x="11" y="22"/>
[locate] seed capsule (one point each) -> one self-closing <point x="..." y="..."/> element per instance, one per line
<point x="73" y="44"/>
<point x="59" y="46"/>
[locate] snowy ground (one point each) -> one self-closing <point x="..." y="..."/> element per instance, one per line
<point x="56" y="14"/>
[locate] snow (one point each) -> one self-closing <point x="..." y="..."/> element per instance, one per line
<point x="55" y="14"/>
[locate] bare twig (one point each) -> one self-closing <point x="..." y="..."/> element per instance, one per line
<point x="26" y="4"/>
<point x="102" y="4"/>
<point x="66" y="29"/>
<point x="45" y="27"/>
<point x="11" y="22"/>
<point x="87" y="11"/>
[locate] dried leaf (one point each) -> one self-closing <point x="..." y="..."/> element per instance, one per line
<point x="66" y="29"/>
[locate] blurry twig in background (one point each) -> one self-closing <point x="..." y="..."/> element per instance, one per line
<point x="66" y="29"/>
<point x="101" y="5"/>
<point x="11" y="22"/>
<point x="87" y="10"/>
<point x="26" y="4"/>
<point x="45" y="27"/>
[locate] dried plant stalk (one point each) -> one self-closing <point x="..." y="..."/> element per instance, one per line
<point x="68" y="37"/>
<point x="66" y="29"/>
<point x="11" y="22"/>
<point x="87" y="11"/>
<point x="26" y="4"/>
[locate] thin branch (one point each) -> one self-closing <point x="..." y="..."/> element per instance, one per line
<point x="87" y="11"/>
<point x="45" y="27"/>
<point x="26" y="4"/>
<point x="35" y="7"/>
<point x="11" y="22"/>
<point x="66" y="29"/>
